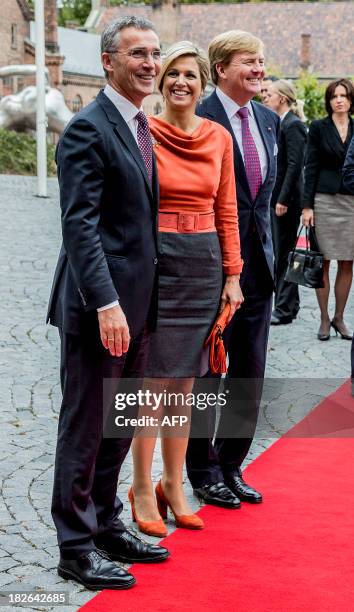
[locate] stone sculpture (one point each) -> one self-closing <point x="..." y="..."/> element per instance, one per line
<point x="18" y="111"/>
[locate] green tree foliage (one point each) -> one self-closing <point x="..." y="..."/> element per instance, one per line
<point x="18" y="154"/>
<point x="312" y="92"/>
<point x="74" y="10"/>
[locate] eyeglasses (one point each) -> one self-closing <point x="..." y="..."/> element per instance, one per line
<point x="142" y="54"/>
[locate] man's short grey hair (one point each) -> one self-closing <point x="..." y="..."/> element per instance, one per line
<point x="110" y="35"/>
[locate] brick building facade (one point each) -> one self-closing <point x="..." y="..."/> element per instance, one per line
<point x="79" y="79"/>
<point x="14" y="31"/>
<point x="324" y="31"/>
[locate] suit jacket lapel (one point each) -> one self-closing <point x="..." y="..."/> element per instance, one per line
<point x="333" y="138"/>
<point x="216" y="112"/>
<point x="287" y="119"/>
<point x="123" y="132"/>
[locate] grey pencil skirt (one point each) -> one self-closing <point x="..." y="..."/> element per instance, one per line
<point x="334" y="222"/>
<point x="190" y="284"/>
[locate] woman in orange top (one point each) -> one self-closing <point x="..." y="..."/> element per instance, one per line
<point x="199" y="247"/>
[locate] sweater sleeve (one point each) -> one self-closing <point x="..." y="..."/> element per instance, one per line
<point x="226" y="216"/>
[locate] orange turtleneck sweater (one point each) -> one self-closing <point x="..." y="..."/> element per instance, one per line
<point x="196" y="174"/>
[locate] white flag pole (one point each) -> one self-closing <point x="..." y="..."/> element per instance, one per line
<point x="41" y="122"/>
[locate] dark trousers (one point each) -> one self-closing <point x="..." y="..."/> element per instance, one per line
<point x="207" y="462"/>
<point x="284" y="230"/>
<point x="246" y="341"/>
<point x="87" y="465"/>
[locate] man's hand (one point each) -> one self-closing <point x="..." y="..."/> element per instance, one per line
<point x="308" y="217"/>
<point x="231" y="293"/>
<point x="114" y="330"/>
<point x="280" y="209"/>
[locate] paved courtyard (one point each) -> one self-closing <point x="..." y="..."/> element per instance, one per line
<point x="30" y="393"/>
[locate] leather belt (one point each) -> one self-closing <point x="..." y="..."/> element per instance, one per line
<point x="187" y="222"/>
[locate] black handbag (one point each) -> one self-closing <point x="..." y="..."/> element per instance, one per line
<point x="305" y="266"/>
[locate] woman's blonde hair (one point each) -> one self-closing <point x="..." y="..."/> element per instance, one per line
<point x="223" y="46"/>
<point x="179" y="49"/>
<point x="287" y="90"/>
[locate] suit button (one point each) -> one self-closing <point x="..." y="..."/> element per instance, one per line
<point x="155" y="260"/>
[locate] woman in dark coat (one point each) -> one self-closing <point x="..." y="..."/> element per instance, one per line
<point x="348" y="182"/>
<point x="328" y="204"/>
<point x="287" y="193"/>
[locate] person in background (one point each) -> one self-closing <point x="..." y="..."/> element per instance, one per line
<point x="199" y="270"/>
<point x="348" y="183"/>
<point x="237" y="69"/>
<point x="287" y="194"/>
<point x="266" y="83"/>
<point x="327" y="203"/>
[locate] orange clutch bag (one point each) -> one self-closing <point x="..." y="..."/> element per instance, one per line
<point x="217" y="354"/>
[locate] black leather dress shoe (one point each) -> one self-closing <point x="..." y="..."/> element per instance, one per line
<point x="274" y="320"/>
<point x="95" y="571"/>
<point x="218" y="494"/>
<point x="240" y="488"/>
<point x="128" y="548"/>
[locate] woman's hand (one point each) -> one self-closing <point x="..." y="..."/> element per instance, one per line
<point x="231" y="293"/>
<point x="308" y="217"/>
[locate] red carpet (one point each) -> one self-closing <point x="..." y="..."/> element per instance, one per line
<point x="294" y="552"/>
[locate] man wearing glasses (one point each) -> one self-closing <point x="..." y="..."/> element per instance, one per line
<point x="104" y="301"/>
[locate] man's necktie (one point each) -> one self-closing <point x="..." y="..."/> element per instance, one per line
<point x="250" y="155"/>
<point x="144" y="141"/>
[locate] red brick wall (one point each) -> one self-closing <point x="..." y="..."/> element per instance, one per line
<point x="279" y="24"/>
<point x="11" y="14"/>
<point x="86" y="87"/>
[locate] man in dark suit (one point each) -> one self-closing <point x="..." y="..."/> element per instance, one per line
<point x="237" y="67"/>
<point x="103" y="301"/>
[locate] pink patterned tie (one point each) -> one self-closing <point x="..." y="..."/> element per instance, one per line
<point x="250" y="155"/>
<point x="144" y="141"/>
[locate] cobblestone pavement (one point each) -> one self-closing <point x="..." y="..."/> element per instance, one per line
<point x="30" y="394"/>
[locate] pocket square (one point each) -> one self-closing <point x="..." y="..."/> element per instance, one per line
<point x="275" y="149"/>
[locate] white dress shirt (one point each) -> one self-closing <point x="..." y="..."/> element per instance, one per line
<point x="125" y="107"/>
<point x="231" y="107"/>
<point x="128" y="112"/>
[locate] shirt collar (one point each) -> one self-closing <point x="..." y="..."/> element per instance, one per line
<point x="126" y="108"/>
<point x="231" y="107"/>
<point x="282" y="117"/>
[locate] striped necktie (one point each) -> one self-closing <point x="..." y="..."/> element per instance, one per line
<point x="250" y="155"/>
<point x="144" y="141"/>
